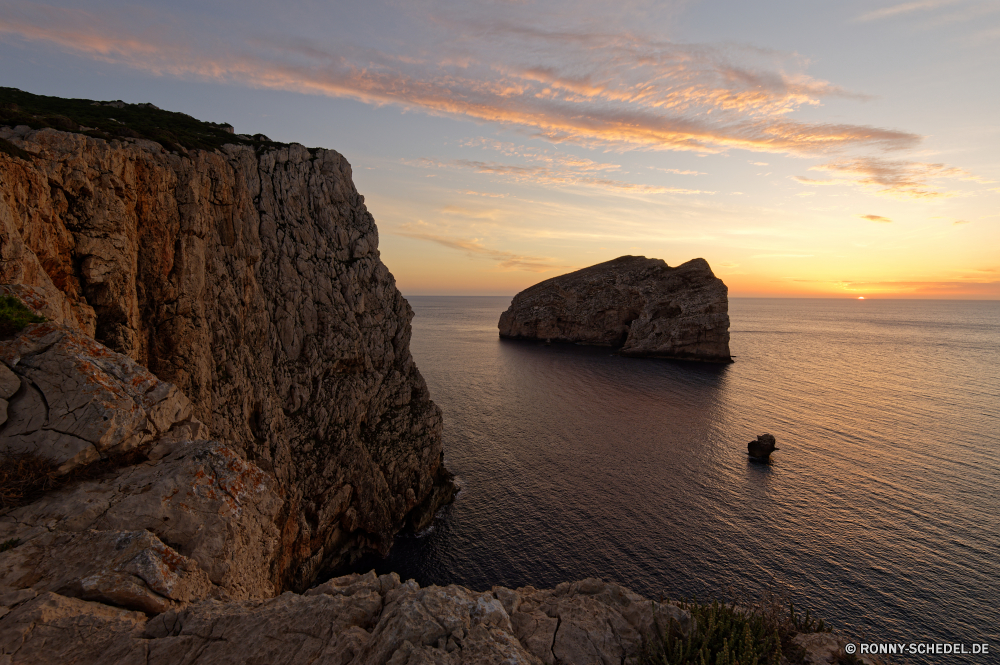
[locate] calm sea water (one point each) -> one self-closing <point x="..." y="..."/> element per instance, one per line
<point x="880" y="511"/>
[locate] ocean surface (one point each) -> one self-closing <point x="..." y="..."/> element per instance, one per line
<point x="879" y="512"/>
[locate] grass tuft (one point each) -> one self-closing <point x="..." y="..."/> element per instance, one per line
<point x="26" y="476"/>
<point x="734" y="633"/>
<point x="14" y="316"/>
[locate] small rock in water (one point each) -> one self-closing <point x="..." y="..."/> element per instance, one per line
<point x="762" y="447"/>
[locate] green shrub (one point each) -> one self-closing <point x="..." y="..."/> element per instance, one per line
<point x="758" y="633"/>
<point x="15" y="315"/>
<point x="173" y="131"/>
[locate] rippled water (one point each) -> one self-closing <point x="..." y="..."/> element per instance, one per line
<point x="880" y="511"/>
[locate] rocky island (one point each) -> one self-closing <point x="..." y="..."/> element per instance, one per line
<point x="207" y="402"/>
<point x="641" y="306"/>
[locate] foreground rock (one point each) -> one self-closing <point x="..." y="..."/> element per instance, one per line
<point x="74" y="401"/>
<point x="762" y="448"/>
<point x="641" y="305"/>
<point x="361" y="619"/>
<point x="251" y="284"/>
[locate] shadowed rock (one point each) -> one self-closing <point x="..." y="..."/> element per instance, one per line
<point x="761" y="448"/>
<point x="641" y="305"/>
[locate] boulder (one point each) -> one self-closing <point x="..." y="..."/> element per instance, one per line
<point x="761" y="448"/>
<point x="642" y="306"/>
<point x="77" y="401"/>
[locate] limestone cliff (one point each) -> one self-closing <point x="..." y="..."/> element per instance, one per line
<point x="249" y="278"/>
<point x="641" y="305"/>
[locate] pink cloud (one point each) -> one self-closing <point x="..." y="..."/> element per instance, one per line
<point x="610" y="89"/>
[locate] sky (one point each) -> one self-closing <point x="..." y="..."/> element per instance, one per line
<point x="804" y="149"/>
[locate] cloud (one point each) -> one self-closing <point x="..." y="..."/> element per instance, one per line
<point x="550" y="168"/>
<point x="475" y="247"/>
<point x="904" y="8"/>
<point x="469" y="192"/>
<point x="876" y="218"/>
<point x="959" y="222"/>
<point x="897" y="178"/>
<point x="613" y="89"/>
<point x="760" y="163"/>
<point x="677" y="171"/>
<point x="542" y="174"/>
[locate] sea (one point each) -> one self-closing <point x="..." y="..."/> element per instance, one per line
<point x="879" y="512"/>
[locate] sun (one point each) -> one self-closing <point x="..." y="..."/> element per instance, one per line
<point x="861" y="297"/>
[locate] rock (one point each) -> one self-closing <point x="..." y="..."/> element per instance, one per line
<point x="358" y="619"/>
<point x="79" y="401"/>
<point x="828" y="649"/>
<point x="252" y="283"/>
<point x="761" y="448"/>
<point x="641" y="305"/>
<point x="214" y="508"/>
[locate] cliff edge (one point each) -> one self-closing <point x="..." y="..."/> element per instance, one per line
<point x="643" y="306"/>
<point x="246" y="278"/>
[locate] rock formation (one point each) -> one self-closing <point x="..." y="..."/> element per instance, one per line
<point x="359" y="619"/>
<point x="761" y="448"/>
<point x="243" y="289"/>
<point x="641" y="305"/>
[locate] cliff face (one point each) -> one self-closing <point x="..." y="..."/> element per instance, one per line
<point x="252" y="282"/>
<point x="641" y="305"/>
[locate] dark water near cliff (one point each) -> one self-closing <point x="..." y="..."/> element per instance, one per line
<point x="880" y="511"/>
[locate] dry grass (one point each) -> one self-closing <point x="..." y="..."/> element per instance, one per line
<point x="25" y="476"/>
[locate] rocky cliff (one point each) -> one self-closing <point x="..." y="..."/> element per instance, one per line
<point x="641" y="305"/>
<point x="247" y="280"/>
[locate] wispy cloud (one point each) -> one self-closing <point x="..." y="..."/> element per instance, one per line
<point x="898" y="178"/>
<point x="876" y="218"/>
<point x="904" y="8"/>
<point x="475" y="247"/>
<point x="677" y="171"/>
<point x="614" y="89"/>
<point x="551" y="168"/>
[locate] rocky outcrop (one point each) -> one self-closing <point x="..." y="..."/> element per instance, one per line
<point x="641" y="305"/>
<point x="76" y="401"/>
<point x="247" y="281"/>
<point x="359" y="619"/>
<point x="762" y="448"/>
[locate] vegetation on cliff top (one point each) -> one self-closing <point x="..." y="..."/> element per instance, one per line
<point x="735" y="634"/>
<point x="116" y="120"/>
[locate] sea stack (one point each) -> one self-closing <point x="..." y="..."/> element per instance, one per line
<point x="643" y="306"/>
<point x="762" y="448"/>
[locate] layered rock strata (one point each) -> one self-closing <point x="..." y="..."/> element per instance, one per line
<point x="251" y="284"/>
<point x="359" y="619"/>
<point x="643" y="306"/>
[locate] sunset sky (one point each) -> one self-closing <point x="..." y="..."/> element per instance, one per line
<point x="804" y="149"/>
